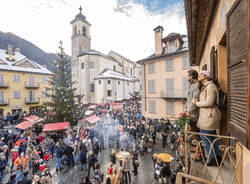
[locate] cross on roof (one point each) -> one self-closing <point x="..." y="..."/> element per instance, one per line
<point x="80" y="9"/>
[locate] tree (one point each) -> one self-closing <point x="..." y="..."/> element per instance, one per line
<point x="64" y="102"/>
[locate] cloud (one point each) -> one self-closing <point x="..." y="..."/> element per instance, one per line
<point x="126" y="27"/>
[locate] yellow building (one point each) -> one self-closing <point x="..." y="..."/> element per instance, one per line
<point x="23" y="83"/>
<point x="164" y="83"/>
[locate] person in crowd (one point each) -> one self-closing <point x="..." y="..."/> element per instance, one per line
<point x="96" y="149"/>
<point x="59" y="157"/>
<point x="118" y="178"/>
<point x="158" y="169"/>
<point x="3" y="164"/>
<point x="34" y="162"/>
<point x="36" y="180"/>
<point x="69" y="154"/>
<point x="46" y="177"/>
<point x="135" y="161"/>
<point x="209" y="117"/>
<point x="12" y="179"/>
<point x="98" y="176"/>
<point x="190" y="109"/>
<point x="26" y="179"/>
<point x="154" y="159"/>
<point x="83" y="158"/>
<point x="14" y="155"/>
<point x="91" y="161"/>
<point x="111" y="176"/>
<point x="21" y="163"/>
<point x="113" y="157"/>
<point x="126" y="169"/>
<point x="85" y="180"/>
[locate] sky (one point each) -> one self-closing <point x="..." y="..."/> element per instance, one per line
<point x="124" y="26"/>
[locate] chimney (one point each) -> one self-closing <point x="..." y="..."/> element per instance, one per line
<point x="10" y="53"/>
<point x="18" y="50"/>
<point x="158" y="40"/>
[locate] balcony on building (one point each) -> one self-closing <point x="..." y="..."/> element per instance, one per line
<point x="4" y="84"/>
<point x="33" y="85"/>
<point x="32" y="100"/>
<point x="173" y="94"/>
<point x="4" y="102"/>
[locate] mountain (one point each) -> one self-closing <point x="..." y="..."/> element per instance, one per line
<point x="27" y="48"/>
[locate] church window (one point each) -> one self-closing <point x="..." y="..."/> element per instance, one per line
<point x="82" y="65"/>
<point x="92" y="87"/>
<point x="109" y="93"/>
<point x="114" y="68"/>
<point x="75" y="30"/>
<point x="109" y="81"/>
<point x="84" y="31"/>
<point x="92" y="64"/>
<point x="100" y="81"/>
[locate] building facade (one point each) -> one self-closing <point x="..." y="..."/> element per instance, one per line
<point x="164" y="83"/>
<point x="23" y="83"/>
<point x="99" y="77"/>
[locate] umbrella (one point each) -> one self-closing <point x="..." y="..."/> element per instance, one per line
<point x="165" y="157"/>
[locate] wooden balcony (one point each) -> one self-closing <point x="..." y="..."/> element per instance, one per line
<point x="4" y="84"/>
<point x="32" y="101"/>
<point x="34" y="85"/>
<point x="173" y="94"/>
<point x="4" y="102"/>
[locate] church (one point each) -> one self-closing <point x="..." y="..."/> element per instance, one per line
<point x="98" y="77"/>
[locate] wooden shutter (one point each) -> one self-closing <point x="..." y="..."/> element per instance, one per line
<point x="214" y="63"/>
<point x="238" y="71"/>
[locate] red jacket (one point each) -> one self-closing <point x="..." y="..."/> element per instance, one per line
<point x="14" y="156"/>
<point x="42" y="166"/>
<point x="40" y="139"/>
<point x="46" y="157"/>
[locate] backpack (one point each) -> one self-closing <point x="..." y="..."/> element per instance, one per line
<point x="222" y="100"/>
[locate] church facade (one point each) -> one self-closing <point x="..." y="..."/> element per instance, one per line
<point x="98" y="77"/>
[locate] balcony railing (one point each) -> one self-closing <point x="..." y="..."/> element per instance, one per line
<point x="32" y="100"/>
<point x="226" y="170"/>
<point x="4" y="84"/>
<point x="173" y="94"/>
<point x="34" y="85"/>
<point x="4" y="102"/>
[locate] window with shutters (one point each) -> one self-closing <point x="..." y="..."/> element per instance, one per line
<point x="170" y="87"/>
<point x="16" y="94"/>
<point x="31" y="80"/>
<point x="91" y="65"/>
<point x="185" y="86"/>
<point x="169" y="65"/>
<point x="92" y="87"/>
<point x="151" y="86"/>
<point x="185" y="62"/>
<point x="170" y="108"/>
<point x="152" y="106"/>
<point x="151" y="68"/>
<point x="16" y="78"/>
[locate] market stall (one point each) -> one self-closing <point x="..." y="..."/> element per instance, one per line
<point x="52" y="127"/>
<point x="92" y="119"/>
<point x="24" y="125"/>
<point x="33" y="118"/>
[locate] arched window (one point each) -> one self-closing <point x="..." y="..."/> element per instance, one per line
<point x="75" y="30"/>
<point x="83" y="31"/>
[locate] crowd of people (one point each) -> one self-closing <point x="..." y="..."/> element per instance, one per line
<point x="125" y="130"/>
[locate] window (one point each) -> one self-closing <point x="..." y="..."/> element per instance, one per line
<point x="170" y="108"/>
<point x="43" y="94"/>
<point x="91" y="64"/>
<point x="92" y="88"/>
<point x="32" y="96"/>
<point x="109" y="81"/>
<point x="131" y="71"/>
<point x="2" y="79"/>
<point x="1" y="97"/>
<point x="100" y="81"/>
<point x="169" y="65"/>
<point x="109" y="93"/>
<point x="16" y="94"/>
<point x="151" y="68"/>
<point x="118" y="82"/>
<point x="44" y="80"/>
<point x="185" y="86"/>
<point x="171" y="46"/>
<point x="16" y="78"/>
<point x="31" y="80"/>
<point x="151" y="86"/>
<point x="170" y="87"/>
<point x="82" y="66"/>
<point x="114" y="67"/>
<point x="84" y="31"/>
<point x="75" y="30"/>
<point x="152" y="106"/>
<point x="185" y="62"/>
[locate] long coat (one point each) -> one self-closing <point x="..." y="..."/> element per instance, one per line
<point x="209" y="114"/>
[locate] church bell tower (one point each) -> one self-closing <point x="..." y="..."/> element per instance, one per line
<point x="80" y="35"/>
